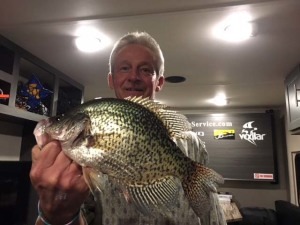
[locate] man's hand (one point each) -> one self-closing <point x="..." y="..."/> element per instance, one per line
<point x="59" y="183"/>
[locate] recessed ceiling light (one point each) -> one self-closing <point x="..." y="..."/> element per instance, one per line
<point x="88" y="44"/>
<point x="90" y="40"/>
<point x="219" y="100"/>
<point x="235" y="28"/>
<point x="238" y="31"/>
<point x="175" y="79"/>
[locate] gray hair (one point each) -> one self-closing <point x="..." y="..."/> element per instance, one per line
<point x="141" y="38"/>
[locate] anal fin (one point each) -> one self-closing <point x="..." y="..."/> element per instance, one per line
<point x="199" y="185"/>
<point x="158" y="196"/>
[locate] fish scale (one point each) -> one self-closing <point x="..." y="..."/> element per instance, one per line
<point x="130" y="140"/>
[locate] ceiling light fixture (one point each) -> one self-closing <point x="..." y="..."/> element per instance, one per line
<point x="88" y="44"/>
<point x="219" y="100"/>
<point x="90" y="40"/>
<point x="238" y="31"/>
<point x="235" y="28"/>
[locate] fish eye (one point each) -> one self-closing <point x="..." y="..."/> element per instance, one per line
<point x="58" y="118"/>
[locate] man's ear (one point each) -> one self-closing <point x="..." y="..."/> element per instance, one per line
<point x="110" y="81"/>
<point x="160" y="83"/>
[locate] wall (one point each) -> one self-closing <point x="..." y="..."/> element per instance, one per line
<point x="261" y="194"/>
<point x="293" y="144"/>
<point x="10" y="141"/>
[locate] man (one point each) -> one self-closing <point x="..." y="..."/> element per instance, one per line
<point x="136" y="69"/>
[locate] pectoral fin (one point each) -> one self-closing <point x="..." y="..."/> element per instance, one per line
<point x="95" y="180"/>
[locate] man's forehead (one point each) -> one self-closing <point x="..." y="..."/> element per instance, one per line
<point x="134" y="48"/>
<point x="140" y="62"/>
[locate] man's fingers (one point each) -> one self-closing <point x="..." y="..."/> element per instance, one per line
<point x="61" y="164"/>
<point x="49" y="153"/>
<point x="35" y="153"/>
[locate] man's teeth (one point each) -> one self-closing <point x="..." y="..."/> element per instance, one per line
<point x="133" y="89"/>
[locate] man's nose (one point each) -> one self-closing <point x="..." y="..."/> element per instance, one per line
<point x="135" y="74"/>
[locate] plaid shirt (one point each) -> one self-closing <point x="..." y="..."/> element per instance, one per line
<point x="110" y="207"/>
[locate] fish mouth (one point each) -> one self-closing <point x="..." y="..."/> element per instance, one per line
<point x="78" y="140"/>
<point x="84" y="137"/>
<point x="41" y="137"/>
<point x="68" y="130"/>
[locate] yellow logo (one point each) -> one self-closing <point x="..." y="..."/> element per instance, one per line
<point x="224" y="134"/>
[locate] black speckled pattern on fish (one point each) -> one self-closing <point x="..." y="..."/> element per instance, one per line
<point x="131" y="141"/>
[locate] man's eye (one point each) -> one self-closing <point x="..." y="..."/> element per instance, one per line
<point x="124" y="69"/>
<point x="146" y="71"/>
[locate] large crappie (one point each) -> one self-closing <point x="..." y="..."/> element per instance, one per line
<point x="130" y="140"/>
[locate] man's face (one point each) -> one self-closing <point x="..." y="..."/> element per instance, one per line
<point x="134" y="73"/>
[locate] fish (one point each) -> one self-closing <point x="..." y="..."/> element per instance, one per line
<point x="132" y="142"/>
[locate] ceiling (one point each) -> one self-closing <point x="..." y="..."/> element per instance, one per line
<point x="251" y="73"/>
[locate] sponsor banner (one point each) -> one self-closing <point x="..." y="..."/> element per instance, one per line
<point x="238" y="144"/>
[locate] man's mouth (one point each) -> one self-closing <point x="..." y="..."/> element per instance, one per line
<point x="134" y="89"/>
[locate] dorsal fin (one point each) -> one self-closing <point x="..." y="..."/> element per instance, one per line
<point x="175" y="123"/>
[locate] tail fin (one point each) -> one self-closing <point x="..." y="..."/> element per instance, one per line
<point x="198" y="185"/>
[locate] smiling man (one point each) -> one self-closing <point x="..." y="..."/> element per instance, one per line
<point x="136" y="69"/>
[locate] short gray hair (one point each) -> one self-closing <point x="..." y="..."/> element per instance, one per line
<point x="141" y="38"/>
